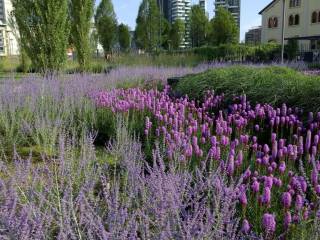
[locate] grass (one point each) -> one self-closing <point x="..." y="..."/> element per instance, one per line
<point x="275" y="85"/>
<point x="99" y="65"/>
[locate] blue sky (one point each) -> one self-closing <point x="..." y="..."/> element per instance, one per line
<point x="127" y="10"/>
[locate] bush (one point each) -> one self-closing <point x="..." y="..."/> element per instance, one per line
<point x="239" y="52"/>
<point x="274" y="85"/>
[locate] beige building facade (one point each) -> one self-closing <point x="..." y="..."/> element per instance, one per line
<point x="8" y="42"/>
<point x="302" y="22"/>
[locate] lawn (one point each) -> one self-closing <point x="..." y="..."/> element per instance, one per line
<point x="117" y="156"/>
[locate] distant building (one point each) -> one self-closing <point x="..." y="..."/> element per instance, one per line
<point x="253" y="36"/>
<point x="8" y="42"/>
<point x="302" y="23"/>
<point x="233" y="6"/>
<point x="202" y="4"/>
<point x="164" y="6"/>
<point x="177" y="9"/>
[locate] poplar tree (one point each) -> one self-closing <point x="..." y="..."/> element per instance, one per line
<point x="177" y="33"/>
<point x="44" y="29"/>
<point x="106" y="25"/>
<point x="223" y="28"/>
<point x="199" y="26"/>
<point x="147" y="32"/>
<point x="124" y="37"/>
<point x="81" y="12"/>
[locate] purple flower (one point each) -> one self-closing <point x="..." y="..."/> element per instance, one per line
<point x="287" y="219"/>
<point x="299" y="202"/>
<point x="286" y="200"/>
<point x="243" y="199"/>
<point x="269" y="223"/>
<point x="255" y="186"/>
<point x="230" y="169"/>
<point x="266" y="197"/>
<point x="245" y="226"/>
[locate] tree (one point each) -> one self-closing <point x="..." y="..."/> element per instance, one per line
<point x="199" y="26"/>
<point x="165" y="32"/>
<point x="15" y="31"/>
<point x="44" y="29"/>
<point x="81" y="12"/>
<point x="177" y="33"/>
<point x="124" y="37"/>
<point x="148" y="30"/>
<point x="223" y="28"/>
<point x="106" y="25"/>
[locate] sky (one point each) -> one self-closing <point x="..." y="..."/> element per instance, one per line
<point x="127" y="10"/>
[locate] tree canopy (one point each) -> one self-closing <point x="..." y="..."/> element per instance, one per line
<point x="124" y="37"/>
<point x="148" y="26"/>
<point x="44" y="31"/>
<point x="223" y="28"/>
<point x="177" y="34"/>
<point x="199" y="26"/>
<point x="81" y="12"/>
<point x="106" y="25"/>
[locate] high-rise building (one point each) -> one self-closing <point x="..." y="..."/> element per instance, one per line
<point x="177" y="9"/>
<point x="233" y="6"/>
<point x="202" y="4"/>
<point x="8" y="42"/>
<point x="253" y="36"/>
<point x="164" y="6"/>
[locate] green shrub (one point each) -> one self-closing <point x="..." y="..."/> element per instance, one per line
<point x="239" y="52"/>
<point x="274" y="85"/>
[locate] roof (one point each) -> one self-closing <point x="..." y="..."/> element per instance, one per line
<point x="270" y="4"/>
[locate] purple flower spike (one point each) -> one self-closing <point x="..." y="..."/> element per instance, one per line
<point x="287" y="219"/>
<point x="266" y="197"/>
<point x="269" y="223"/>
<point x="286" y="200"/>
<point x="243" y="199"/>
<point x="255" y="186"/>
<point x="245" y="227"/>
<point x="299" y="202"/>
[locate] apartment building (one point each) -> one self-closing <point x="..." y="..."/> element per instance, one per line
<point x="302" y="23"/>
<point x="253" y="36"/>
<point x="180" y="9"/>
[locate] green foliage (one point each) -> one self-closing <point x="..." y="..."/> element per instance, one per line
<point x="124" y="37"/>
<point x="147" y="32"/>
<point x="274" y="85"/>
<point x="199" y="26"/>
<point x="239" y="52"/>
<point x="44" y="29"/>
<point x="176" y="34"/>
<point x="223" y="28"/>
<point x="106" y="24"/>
<point x="292" y="49"/>
<point x="81" y="12"/>
<point x="94" y="40"/>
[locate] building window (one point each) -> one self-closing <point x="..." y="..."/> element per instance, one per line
<point x="291" y="20"/>
<point x="315" y="44"/>
<point x="1" y="42"/>
<point x="314" y="17"/>
<point x="270" y="23"/>
<point x="319" y="17"/>
<point x="297" y="19"/>
<point x="295" y="3"/>
<point x="294" y="20"/>
<point x="273" y="22"/>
